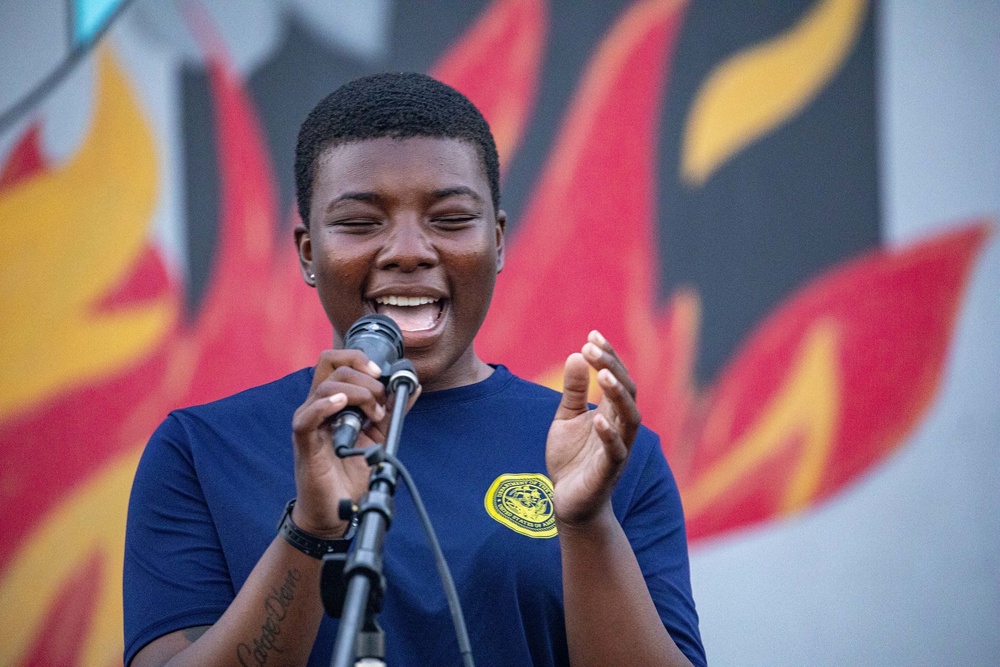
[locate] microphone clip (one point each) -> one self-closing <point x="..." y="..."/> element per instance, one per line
<point x="402" y="372"/>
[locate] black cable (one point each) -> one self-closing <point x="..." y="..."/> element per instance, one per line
<point x="376" y="454"/>
<point x="454" y="604"/>
<point x="45" y="87"/>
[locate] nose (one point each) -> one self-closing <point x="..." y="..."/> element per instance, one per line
<point x="407" y="247"/>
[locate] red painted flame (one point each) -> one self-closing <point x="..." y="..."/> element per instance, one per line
<point x="584" y="256"/>
<point x="894" y="312"/>
<point x="59" y="640"/>
<point x="583" y="252"/>
<point x="503" y="88"/>
<point x="25" y="160"/>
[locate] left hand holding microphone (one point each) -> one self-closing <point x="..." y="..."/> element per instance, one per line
<point x="347" y="404"/>
<point x="341" y="378"/>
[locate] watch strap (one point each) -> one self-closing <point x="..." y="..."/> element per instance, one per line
<point x="309" y="544"/>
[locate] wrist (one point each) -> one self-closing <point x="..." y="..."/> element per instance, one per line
<point x="309" y="543"/>
<point x="326" y="530"/>
<point x="598" y="526"/>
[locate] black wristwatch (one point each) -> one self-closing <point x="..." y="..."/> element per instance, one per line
<point x="317" y="547"/>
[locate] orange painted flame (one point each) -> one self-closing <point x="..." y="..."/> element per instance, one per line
<point x="822" y="391"/>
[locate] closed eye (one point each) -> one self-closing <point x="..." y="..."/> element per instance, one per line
<point x="455" y="221"/>
<point x="355" y="225"/>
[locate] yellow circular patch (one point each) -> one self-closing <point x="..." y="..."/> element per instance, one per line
<point x="523" y="503"/>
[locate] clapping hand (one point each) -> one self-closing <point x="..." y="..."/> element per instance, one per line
<point x="587" y="449"/>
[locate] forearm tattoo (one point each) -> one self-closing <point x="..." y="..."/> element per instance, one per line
<point x="275" y="610"/>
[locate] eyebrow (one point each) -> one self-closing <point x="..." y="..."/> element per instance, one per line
<point x="436" y="195"/>
<point x="368" y="197"/>
<point x="457" y="191"/>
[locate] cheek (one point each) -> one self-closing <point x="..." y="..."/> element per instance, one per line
<point x="478" y="277"/>
<point x="340" y="267"/>
<point x="340" y="282"/>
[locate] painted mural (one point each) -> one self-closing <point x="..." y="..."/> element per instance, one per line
<point x="706" y="197"/>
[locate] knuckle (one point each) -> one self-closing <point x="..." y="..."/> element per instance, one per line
<point x="299" y="424"/>
<point x="355" y="358"/>
<point x="343" y="357"/>
<point x="328" y="387"/>
<point x="342" y="373"/>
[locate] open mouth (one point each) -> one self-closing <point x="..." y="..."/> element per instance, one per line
<point x="411" y="313"/>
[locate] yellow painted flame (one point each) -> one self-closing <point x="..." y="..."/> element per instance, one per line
<point x="806" y="405"/>
<point x="758" y="89"/>
<point x="68" y="238"/>
<point x="90" y="520"/>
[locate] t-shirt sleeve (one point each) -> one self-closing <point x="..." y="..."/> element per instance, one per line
<point x="654" y="524"/>
<point x="175" y="573"/>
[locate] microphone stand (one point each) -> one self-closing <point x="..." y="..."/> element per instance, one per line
<point x="352" y="584"/>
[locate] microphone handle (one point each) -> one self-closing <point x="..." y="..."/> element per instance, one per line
<point x="346" y="428"/>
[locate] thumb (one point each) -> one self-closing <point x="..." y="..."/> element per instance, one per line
<point x="576" y="385"/>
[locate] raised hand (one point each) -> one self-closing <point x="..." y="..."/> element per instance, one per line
<point x="587" y="449"/>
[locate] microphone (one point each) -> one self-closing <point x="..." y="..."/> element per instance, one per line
<point x="382" y="341"/>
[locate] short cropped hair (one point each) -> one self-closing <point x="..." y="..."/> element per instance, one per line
<point x="395" y="105"/>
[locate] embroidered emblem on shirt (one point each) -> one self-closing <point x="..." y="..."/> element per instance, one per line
<point x="523" y="503"/>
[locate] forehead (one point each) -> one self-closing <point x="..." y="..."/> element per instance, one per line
<point x="396" y="166"/>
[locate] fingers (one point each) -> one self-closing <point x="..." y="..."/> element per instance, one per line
<point x="618" y="405"/>
<point x="576" y="384"/>
<point x="311" y="414"/>
<point x="623" y="415"/>
<point x="361" y="390"/>
<point x="600" y="354"/>
<point x="341" y="378"/>
<point x="330" y="360"/>
<point x="614" y="445"/>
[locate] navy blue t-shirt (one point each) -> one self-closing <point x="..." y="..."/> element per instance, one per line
<point x="214" y="479"/>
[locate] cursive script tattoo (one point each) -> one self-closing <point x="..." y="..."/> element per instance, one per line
<point x="275" y="610"/>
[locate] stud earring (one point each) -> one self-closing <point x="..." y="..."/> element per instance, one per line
<point x="312" y="278"/>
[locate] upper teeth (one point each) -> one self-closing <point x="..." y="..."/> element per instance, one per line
<point x="405" y="300"/>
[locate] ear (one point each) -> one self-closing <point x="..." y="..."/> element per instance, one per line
<point x="303" y="243"/>
<point x="501" y="235"/>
